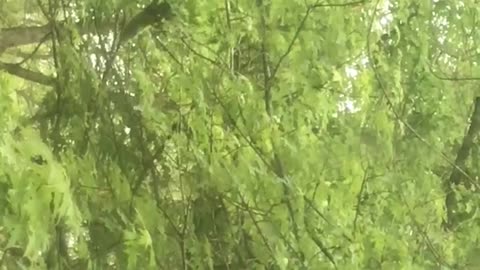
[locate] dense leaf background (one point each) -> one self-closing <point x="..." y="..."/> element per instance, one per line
<point x="239" y="134"/>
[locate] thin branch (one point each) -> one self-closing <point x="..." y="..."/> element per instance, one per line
<point x="267" y="74"/>
<point x="438" y="257"/>
<point x="206" y="58"/>
<point x="445" y="78"/>
<point x="257" y="226"/>
<point x="302" y="25"/>
<point x="355" y="3"/>
<point x="276" y="162"/>
<point x="292" y="42"/>
<point x="164" y="47"/>
<point x="315" y="209"/>
<point x="35" y="50"/>
<point x="312" y="232"/>
<point x="359" y="200"/>
<point x="24" y="55"/>
<point x="448" y="78"/>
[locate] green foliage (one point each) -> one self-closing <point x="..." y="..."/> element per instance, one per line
<point x="240" y="135"/>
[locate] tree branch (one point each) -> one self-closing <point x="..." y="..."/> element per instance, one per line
<point x="467" y="143"/>
<point x="456" y="175"/>
<point x="25" y="35"/>
<point x="26" y="74"/>
<point x="346" y="4"/>
<point x="22" y="35"/>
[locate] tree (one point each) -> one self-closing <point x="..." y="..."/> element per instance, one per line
<point x="239" y="135"/>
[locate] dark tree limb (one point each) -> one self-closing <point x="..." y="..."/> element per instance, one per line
<point x="26" y="74"/>
<point x="456" y="176"/>
<point x="152" y="14"/>
<point x="468" y="142"/>
<point x="22" y="35"/>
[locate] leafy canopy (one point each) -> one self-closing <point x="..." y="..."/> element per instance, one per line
<point x="239" y="134"/>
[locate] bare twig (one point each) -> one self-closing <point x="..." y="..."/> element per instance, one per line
<point x="346" y="4"/>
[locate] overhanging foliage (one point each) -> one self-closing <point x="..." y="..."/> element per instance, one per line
<point x="239" y="134"/>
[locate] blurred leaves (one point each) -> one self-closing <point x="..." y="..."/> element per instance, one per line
<point x="159" y="153"/>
